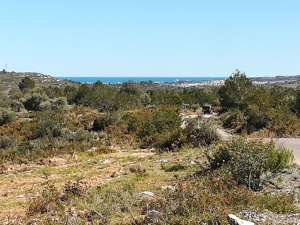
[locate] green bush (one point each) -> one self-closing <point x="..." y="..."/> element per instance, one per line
<point x="173" y="167"/>
<point x="168" y="141"/>
<point x="247" y="160"/>
<point x="100" y="123"/>
<point x="26" y="83"/>
<point x="6" y="116"/>
<point x="171" y="141"/>
<point x="278" y="158"/>
<point x="161" y="121"/>
<point x="247" y="163"/>
<point x="16" y="105"/>
<point x="134" y="122"/>
<point x="45" y="105"/>
<point x="5" y="141"/>
<point x="165" y="120"/>
<point x="33" y="101"/>
<point x="60" y="104"/>
<point x="48" y="124"/>
<point x="201" y="132"/>
<point x="233" y="119"/>
<point x="57" y="104"/>
<point x="282" y="203"/>
<point x="217" y="156"/>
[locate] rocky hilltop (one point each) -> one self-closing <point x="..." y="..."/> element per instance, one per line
<point x="276" y="78"/>
<point x="12" y="79"/>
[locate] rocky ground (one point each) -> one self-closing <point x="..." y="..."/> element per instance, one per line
<point x="12" y="79"/>
<point x="286" y="182"/>
<point x="19" y="183"/>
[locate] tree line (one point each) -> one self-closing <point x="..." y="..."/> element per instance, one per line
<point x="63" y="117"/>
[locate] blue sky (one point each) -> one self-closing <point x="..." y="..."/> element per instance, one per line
<point x="151" y="37"/>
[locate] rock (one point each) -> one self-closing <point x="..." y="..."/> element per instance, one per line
<point x="93" y="149"/>
<point x="168" y="187"/>
<point x="154" y="217"/>
<point x="163" y="160"/>
<point x="147" y="193"/>
<point x="21" y="196"/>
<point x="193" y="162"/>
<point x="234" y="220"/>
<point x="107" y="161"/>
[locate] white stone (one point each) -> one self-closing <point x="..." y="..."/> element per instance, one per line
<point x="168" y="187"/>
<point x="234" y="220"/>
<point x="148" y="193"/>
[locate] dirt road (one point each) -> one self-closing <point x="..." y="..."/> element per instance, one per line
<point x="292" y="144"/>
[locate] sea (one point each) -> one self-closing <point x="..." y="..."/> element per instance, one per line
<point x="114" y="80"/>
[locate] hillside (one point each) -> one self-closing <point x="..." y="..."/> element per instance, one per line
<point x="94" y="154"/>
<point x="12" y="79"/>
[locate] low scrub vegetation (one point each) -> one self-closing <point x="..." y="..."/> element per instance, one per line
<point x="193" y="178"/>
<point x="248" y="160"/>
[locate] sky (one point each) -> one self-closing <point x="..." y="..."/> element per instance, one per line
<point x="178" y="38"/>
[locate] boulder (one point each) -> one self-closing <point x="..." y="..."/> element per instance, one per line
<point x="234" y="220"/>
<point x="154" y="217"/>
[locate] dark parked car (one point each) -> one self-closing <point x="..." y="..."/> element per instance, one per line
<point x="206" y="109"/>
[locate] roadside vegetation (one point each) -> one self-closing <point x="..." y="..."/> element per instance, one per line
<point x="156" y="165"/>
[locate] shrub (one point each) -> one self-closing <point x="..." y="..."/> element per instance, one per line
<point x="173" y="167"/>
<point x="57" y="104"/>
<point x="50" y="200"/>
<point x="49" y="124"/>
<point x="26" y="83"/>
<point x="201" y="132"/>
<point x="285" y="127"/>
<point x="165" y="120"/>
<point x="100" y="123"/>
<point x="162" y="121"/>
<point x="233" y="119"/>
<point x="46" y="105"/>
<point x="60" y="104"/>
<point x="33" y="101"/>
<point x="195" y="107"/>
<point x="74" y="189"/>
<point x="6" y="116"/>
<point x="16" y="105"/>
<point x="247" y="160"/>
<point x="134" y="122"/>
<point x="172" y="140"/>
<point x="281" y="203"/>
<point x="278" y="158"/>
<point x="205" y="200"/>
<point x="217" y="156"/>
<point x="247" y="163"/>
<point x="5" y="141"/>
